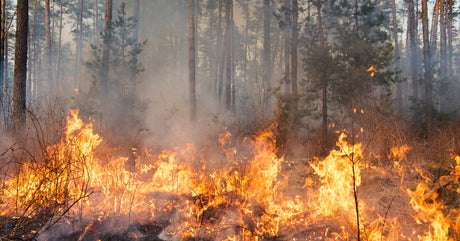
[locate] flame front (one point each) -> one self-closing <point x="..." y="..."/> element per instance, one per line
<point x="243" y="193"/>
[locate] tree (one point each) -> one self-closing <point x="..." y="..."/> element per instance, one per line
<point x="427" y="66"/>
<point x="287" y="28"/>
<point x="48" y="53"/>
<point x="413" y="48"/>
<point x="79" y="44"/>
<point x="220" y="55"/>
<point x="106" y="46"/>
<point x="266" y="54"/>
<point x="59" y="47"/>
<point x="192" y="68"/>
<point x="443" y="55"/>
<point x="228" y="54"/>
<point x="324" y="134"/>
<point x="20" y="65"/>
<point x="399" y="98"/>
<point x="2" y="50"/>
<point x="295" y="14"/>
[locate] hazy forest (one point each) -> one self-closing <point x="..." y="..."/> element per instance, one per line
<point x="229" y="120"/>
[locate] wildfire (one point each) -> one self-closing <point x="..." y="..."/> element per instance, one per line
<point x="245" y="192"/>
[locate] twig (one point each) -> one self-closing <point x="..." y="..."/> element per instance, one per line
<point x="386" y="215"/>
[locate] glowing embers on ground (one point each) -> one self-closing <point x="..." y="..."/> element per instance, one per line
<point x="235" y="191"/>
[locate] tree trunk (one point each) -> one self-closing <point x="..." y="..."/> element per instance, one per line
<point x="266" y="56"/>
<point x="443" y="54"/>
<point x="78" y="46"/>
<point x="106" y="47"/>
<point x="220" y="56"/>
<point x="324" y="134"/>
<point x="246" y="40"/>
<point x="434" y="28"/>
<point x="191" y="27"/>
<point x="2" y="51"/>
<point x="96" y="20"/>
<point x="427" y="66"/>
<point x="20" y="66"/>
<point x="48" y="54"/>
<point x="58" y="71"/>
<point x="413" y="48"/>
<point x="397" y="56"/>
<point x="232" y="78"/>
<point x="133" y="78"/>
<point x="228" y="75"/>
<point x="295" y="16"/>
<point x="287" y="27"/>
<point x="449" y="39"/>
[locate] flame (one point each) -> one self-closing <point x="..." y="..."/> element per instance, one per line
<point x="336" y="175"/>
<point x="242" y="193"/>
<point x="371" y="70"/>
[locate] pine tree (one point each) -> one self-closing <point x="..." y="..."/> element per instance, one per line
<point x="20" y="65"/>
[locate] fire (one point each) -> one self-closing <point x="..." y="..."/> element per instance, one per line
<point x="244" y="192"/>
<point x="371" y="70"/>
<point x="338" y="178"/>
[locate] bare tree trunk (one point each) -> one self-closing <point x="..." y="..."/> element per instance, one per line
<point x="324" y="134"/>
<point x="2" y="52"/>
<point x="20" y="66"/>
<point x="434" y="28"/>
<point x="79" y="47"/>
<point x="295" y="16"/>
<point x="443" y="53"/>
<point x="228" y="76"/>
<point x="49" y="59"/>
<point x="267" y="58"/>
<point x="246" y="39"/>
<point x="96" y="19"/>
<point x="413" y="48"/>
<point x="106" y="47"/>
<point x="220" y="56"/>
<point x="191" y="25"/>
<point x="233" y="85"/>
<point x="58" y="71"/>
<point x="287" y="26"/>
<point x="397" y="56"/>
<point x="449" y="39"/>
<point x="427" y="65"/>
<point x="133" y="86"/>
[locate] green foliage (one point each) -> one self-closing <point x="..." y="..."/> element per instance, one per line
<point x="356" y="39"/>
<point x="120" y="105"/>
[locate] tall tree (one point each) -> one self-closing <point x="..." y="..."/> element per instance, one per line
<point x="443" y="54"/>
<point x="427" y="66"/>
<point x="48" y="53"/>
<point x="106" y="46"/>
<point x="20" y="65"/>
<point x="413" y="48"/>
<point x="192" y="68"/>
<point x="220" y="55"/>
<point x="434" y="28"/>
<point x="2" y="50"/>
<point x="228" y="54"/>
<point x="397" y="54"/>
<point x="79" y="45"/>
<point x="449" y="38"/>
<point x="136" y="40"/>
<point x="287" y="28"/>
<point x="266" y="54"/>
<point x="58" y="57"/>
<point x="324" y="134"/>
<point x="295" y="16"/>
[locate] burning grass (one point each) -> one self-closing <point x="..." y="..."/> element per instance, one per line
<point x="80" y="189"/>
